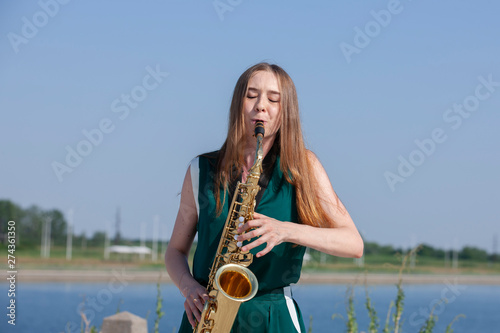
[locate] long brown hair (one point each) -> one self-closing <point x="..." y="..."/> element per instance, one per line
<point x="294" y="161"/>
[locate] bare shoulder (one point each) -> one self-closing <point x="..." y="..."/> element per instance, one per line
<point x="323" y="181"/>
<point x="187" y="216"/>
<point x="188" y="203"/>
<point x="315" y="164"/>
<point x="331" y="202"/>
<point x="311" y="155"/>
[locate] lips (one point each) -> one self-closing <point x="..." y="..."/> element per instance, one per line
<point x="256" y="120"/>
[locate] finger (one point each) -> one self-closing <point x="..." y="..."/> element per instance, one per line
<point x="249" y="235"/>
<point x="194" y="309"/>
<point x="189" y="314"/>
<point x="258" y="216"/>
<point x="199" y="303"/>
<point x="243" y="227"/>
<point x="249" y="225"/>
<point x="253" y="244"/>
<point x="265" y="251"/>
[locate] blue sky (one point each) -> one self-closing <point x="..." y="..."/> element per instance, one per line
<point x="377" y="84"/>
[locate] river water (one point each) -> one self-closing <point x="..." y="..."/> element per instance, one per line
<point x="55" y="307"/>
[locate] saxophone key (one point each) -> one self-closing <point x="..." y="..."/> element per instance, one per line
<point x="232" y="247"/>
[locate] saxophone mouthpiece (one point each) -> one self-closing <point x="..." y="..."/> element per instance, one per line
<point x="259" y="128"/>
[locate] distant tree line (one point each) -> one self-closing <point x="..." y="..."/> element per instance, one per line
<point x="30" y="221"/>
<point x="425" y="250"/>
<point x="29" y="224"/>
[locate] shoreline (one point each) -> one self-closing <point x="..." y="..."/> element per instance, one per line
<point x="134" y="276"/>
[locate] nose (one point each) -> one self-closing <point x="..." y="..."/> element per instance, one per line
<point x="259" y="105"/>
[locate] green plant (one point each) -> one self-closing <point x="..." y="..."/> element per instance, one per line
<point x="448" y="328"/>
<point x="388" y="317"/>
<point x="374" y="321"/>
<point x="159" y="304"/>
<point x="85" y="326"/>
<point x="310" y="329"/>
<point x="429" y="323"/>
<point x="399" y="304"/>
<point x="118" y="307"/>
<point x="352" y="324"/>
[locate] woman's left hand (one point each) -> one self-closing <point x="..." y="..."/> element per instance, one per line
<point x="271" y="231"/>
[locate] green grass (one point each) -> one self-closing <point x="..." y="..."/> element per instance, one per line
<point x="93" y="257"/>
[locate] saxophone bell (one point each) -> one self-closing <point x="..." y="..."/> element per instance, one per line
<point x="236" y="282"/>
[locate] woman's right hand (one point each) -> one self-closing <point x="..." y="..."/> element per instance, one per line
<point x="196" y="295"/>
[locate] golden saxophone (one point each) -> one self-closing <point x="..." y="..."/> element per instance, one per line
<point x="230" y="281"/>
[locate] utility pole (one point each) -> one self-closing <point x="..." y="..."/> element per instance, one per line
<point x="495" y="246"/>
<point x="455" y="255"/>
<point x="446" y="256"/>
<point x="107" y="233"/>
<point x="156" y="222"/>
<point x="413" y="253"/>
<point x="69" y="236"/>
<point x="42" y="246"/>
<point x="106" y="245"/>
<point x="49" y="230"/>
<point x="117" y="225"/>
<point x="164" y="241"/>
<point x="143" y="239"/>
<point x="45" y="251"/>
<point x="84" y="241"/>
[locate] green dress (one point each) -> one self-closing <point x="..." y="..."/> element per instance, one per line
<point x="272" y="309"/>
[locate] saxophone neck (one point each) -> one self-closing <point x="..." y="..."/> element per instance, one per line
<point x="256" y="169"/>
<point x="259" y="153"/>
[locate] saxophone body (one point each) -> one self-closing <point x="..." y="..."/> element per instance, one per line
<point x="230" y="281"/>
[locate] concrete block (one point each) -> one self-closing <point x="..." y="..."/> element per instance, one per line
<point x="124" y="322"/>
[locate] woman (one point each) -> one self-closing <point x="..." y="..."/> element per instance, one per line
<point x="297" y="208"/>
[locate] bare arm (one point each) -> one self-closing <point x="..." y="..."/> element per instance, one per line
<point x="176" y="256"/>
<point x="343" y="240"/>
